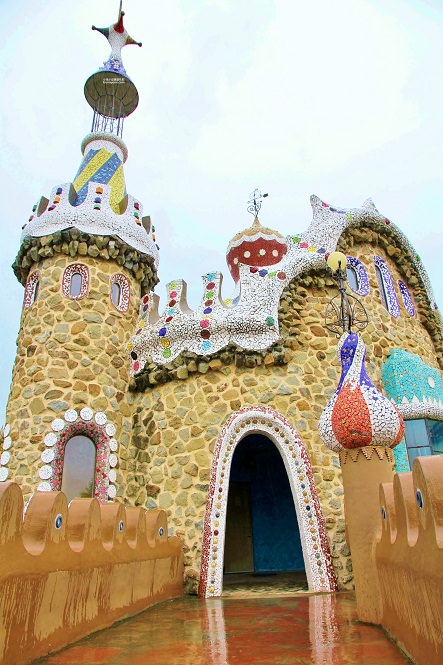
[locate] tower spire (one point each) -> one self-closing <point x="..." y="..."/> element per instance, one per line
<point x="109" y="91"/>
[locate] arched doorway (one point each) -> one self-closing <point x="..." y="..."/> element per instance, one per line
<point x="262" y="533"/>
<point x="261" y="420"/>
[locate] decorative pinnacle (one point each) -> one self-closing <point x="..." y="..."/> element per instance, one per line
<point x="254" y="203"/>
<point x="117" y="36"/>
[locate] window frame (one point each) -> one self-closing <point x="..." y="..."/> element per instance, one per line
<point x="69" y="272"/>
<point x="32" y="288"/>
<point x="386" y="287"/>
<point x="125" y="292"/>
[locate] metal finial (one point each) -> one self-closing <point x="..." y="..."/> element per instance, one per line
<point x="254" y="203"/>
<point x="344" y="312"/>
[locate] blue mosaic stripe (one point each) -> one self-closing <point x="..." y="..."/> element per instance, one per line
<point x="102" y="176"/>
<point x="85" y="162"/>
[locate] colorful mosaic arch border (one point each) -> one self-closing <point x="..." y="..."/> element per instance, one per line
<point x="362" y="276"/>
<point x="125" y="292"/>
<point x="407" y="299"/>
<point x="31" y="289"/>
<point x="389" y="287"/>
<point x="315" y="545"/>
<point x="72" y="269"/>
<point x="100" y="431"/>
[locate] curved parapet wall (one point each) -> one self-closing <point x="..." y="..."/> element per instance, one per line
<point x="68" y="571"/>
<point x="409" y="559"/>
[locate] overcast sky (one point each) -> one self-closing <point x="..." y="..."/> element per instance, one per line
<point x="340" y="99"/>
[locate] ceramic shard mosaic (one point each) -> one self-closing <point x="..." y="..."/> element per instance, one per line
<point x="310" y="518"/>
<point x="358" y="414"/>
<point x="96" y="202"/>
<point x="415" y="387"/>
<point x="250" y="319"/>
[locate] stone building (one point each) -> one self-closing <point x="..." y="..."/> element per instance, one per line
<point x="211" y="414"/>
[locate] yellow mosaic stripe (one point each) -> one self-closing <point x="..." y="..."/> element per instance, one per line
<point x="117" y="185"/>
<point x="92" y="167"/>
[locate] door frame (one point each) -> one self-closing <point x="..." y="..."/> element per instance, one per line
<point x="315" y="546"/>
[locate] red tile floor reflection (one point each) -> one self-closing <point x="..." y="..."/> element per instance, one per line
<point x="277" y="630"/>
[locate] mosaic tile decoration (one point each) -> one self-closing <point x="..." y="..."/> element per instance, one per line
<point x="358" y="414"/>
<point x="97" y="207"/>
<point x="414" y="386"/>
<point x="406" y="296"/>
<point x="251" y="318"/>
<point x="72" y="269"/>
<point x="100" y="431"/>
<point x="315" y="546"/>
<point x="256" y="246"/>
<point x="102" y="167"/>
<point x="31" y="289"/>
<point x="389" y="287"/>
<point x="118" y="37"/>
<point x="362" y="276"/>
<point x="125" y="292"/>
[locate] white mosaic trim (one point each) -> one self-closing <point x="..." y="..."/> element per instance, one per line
<point x="5" y="455"/>
<point x="50" y="456"/>
<point x="266" y="421"/>
<point x="424" y="408"/>
<point x="251" y="321"/>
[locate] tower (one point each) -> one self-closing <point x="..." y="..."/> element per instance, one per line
<point x="86" y="255"/>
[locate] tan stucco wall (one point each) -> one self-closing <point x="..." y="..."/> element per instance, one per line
<point x="65" y="573"/>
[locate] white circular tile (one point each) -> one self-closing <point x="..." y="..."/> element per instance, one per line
<point x="7" y="443"/>
<point x="113" y="444"/>
<point x="71" y="415"/>
<point x="110" y="429"/>
<point x="44" y="487"/>
<point x="6" y="429"/>
<point x="113" y="460"/>
<point x="4" y="473"/>
<point x="47" y="455"/>
<point x="45" y="472"/>
<point x="86" y="413"/>
<point x="5" y="458"/>
<point x="112" y="475"/>
<point x="50" y="439"/>
<point x="112" y="491"/>
<point x="58" y="424"/>
<point x="101" y="418"/>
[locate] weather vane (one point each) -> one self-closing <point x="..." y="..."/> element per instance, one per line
<point x="254" y="203"/>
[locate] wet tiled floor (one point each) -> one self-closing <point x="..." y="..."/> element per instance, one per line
<point x="278" y="630"/>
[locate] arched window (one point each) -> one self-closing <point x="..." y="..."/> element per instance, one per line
<point x="357" y="276"/>
<point x="116" y="293"/>
<point x="120" y="292"/>
<point x="31" y="289"/>
<point x="75" y="282"/>
<point x="386" y="286"/>
<point x="381" y="286"/>
<point x="407" y="300"/>
<point x="78" y="478"/>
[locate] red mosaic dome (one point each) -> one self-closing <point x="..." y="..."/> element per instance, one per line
<point x="256" y="246"/>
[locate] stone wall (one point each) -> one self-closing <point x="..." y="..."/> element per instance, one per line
<point x="70" y="354"/>
<point x="179" y="416"/>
